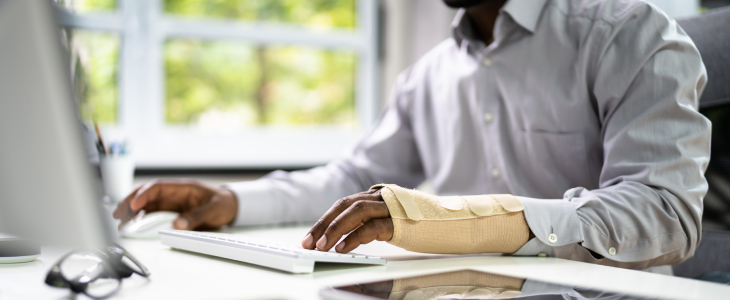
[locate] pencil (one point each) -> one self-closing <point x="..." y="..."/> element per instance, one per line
<point x="98" y="136"/>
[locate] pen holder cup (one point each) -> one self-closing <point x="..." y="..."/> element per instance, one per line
<point x="117" y="174"/>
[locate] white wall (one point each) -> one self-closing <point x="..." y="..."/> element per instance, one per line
<point x="411" y="28"/>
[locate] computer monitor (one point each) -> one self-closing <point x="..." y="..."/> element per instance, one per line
<point x="48" y="190"/>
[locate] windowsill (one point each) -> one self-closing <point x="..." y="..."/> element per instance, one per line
<point x="212" y="179"/>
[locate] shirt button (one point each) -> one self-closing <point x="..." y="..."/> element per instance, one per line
<point x="541" y="254"/>
<point x="553" y="238"/>
<point x="495" y="173"/>
<point x="486" y="62"/>
<point x="612" y="251"/>
<point x="488" y="117"/>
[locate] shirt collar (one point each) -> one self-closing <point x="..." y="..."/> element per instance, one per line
<point x="525" y="12"/>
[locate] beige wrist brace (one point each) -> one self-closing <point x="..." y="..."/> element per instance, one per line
<point x="457" y="285"/>
<point x="455" y="224"/>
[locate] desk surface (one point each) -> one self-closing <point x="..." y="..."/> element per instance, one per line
<point x="185" y="275"/>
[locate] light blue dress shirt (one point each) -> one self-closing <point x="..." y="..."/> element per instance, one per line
<point x="586" y="110"/>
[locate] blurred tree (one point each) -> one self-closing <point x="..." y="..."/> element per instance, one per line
<point x="311" y="86"/>
<point x="261" y="96"/>
<point x="317" y="13"/>
<point x="257" y="84"/>
<point x="203" y="76"/>
<point x="204" y="80"/>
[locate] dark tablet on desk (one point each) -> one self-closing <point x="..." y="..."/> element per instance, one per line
<point x="466" y="284"/>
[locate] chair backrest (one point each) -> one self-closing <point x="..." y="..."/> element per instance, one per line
<point x="711" y="33"/>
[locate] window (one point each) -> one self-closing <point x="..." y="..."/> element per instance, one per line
<point x="95" y="66"/>
<point x="225" y="83"/>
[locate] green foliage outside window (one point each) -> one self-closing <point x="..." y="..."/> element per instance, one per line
<point x="94" y="57"/>
<point x="210" y="80"/>
<point x="253" y="84"/>
<point x="315" y="13"/>
<point x="310" y="86"/>
<point x="81" y="6"/>
<point x="202" y="76"/>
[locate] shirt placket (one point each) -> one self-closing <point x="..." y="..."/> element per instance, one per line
<point x="490" y="102"/>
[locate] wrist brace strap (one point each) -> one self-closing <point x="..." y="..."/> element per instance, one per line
<point x="454" y="224"/>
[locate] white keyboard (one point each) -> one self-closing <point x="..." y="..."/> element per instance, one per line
<point x="259" y="252"/>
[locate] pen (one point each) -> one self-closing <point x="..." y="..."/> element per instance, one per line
<point x="98" y="136"/>
<point x="99" y="148"/>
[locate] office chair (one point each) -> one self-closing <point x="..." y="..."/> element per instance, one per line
<point x="711" y="261"/>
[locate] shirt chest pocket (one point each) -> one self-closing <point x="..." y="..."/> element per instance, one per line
<point x="547" y="115"/>
<point x="551" y="162"/>
<point x="545" y="102"/>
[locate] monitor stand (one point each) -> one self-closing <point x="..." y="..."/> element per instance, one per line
<point x="16" y="250"/>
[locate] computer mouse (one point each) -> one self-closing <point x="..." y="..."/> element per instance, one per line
<point x="147" y="225"/>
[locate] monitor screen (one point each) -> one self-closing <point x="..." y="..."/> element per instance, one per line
<point x="48" y="189"/>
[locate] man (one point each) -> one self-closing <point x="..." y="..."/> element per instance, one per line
<point x="573" y="125"/>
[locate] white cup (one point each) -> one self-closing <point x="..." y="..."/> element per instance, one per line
<point x="117" y="174"/>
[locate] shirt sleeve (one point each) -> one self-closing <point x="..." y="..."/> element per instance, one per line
<point x="386" y="154"/>
<point x="647" y="211"/>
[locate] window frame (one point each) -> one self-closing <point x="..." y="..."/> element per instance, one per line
<point x="143" y="28"/>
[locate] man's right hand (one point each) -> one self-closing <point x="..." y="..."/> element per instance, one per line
<point x="200" y="206"/>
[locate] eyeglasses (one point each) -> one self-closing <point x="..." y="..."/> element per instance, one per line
<point x="97" y="274"/>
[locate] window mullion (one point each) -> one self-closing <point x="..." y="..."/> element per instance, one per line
<point x="368" y="105"/>
<point x="138" y="110"/>
<point x="142" y="78"/>
<point x="253" y="32"/>
<point x="94" y="21"/>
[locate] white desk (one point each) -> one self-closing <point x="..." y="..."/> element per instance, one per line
<point x="182" y="275"/>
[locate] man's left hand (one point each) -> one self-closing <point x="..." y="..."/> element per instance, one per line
<point x="364" y="215"/>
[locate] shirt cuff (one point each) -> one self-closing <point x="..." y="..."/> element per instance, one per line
<point x="255" y="205"/>
<point x="554" y="222"/>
